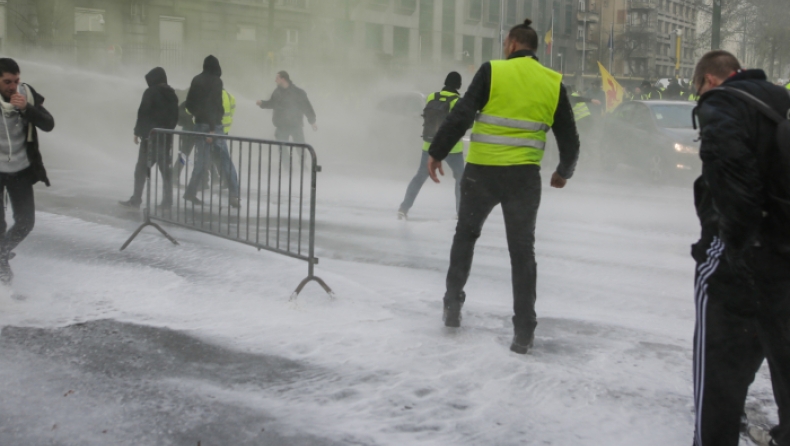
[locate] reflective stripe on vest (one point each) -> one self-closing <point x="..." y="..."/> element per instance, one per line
<point x="512" y="123"/>
<point x="511" y="128"/>
<point x="229" y="105"/>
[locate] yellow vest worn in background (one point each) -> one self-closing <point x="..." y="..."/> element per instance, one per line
<point x="459" y="147"/>
<point x="580" y="110"/>
<point x="229" y="105"/>
<point x="511" y="128"/>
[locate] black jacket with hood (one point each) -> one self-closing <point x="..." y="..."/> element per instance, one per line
<point x="290" y="106"/>
<point x="159" y="106"/>
<point x="730" y="196"/>
<point x="38" y="118"/>
<point x="204" y="99"/>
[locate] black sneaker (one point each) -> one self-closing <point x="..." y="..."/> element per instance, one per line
<point x="6" y="275"/>
<point x="235" y="203"/>
<point x="403" y="215"/>
<point x="195" y="200"/>
<point x="522" y="342"/>
<point x="130" y="204"/>
<point x="452" y="311"/>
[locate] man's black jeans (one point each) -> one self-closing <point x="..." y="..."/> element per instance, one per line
<point x="20" y="192"/>
<point x="517" y="189"/>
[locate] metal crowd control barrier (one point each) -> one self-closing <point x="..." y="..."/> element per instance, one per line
<point x="246" y="190"/>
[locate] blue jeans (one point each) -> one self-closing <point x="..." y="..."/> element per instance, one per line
<point x="456" y="163"/>
<point x="203" y="157"/>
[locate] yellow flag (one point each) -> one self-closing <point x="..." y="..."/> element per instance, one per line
<point x="548" y="38"/>
<point x="614" y="91"/>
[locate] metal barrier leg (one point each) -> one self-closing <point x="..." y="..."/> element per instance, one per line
<point x="147" y="210"/>
<point x="307" y="280"/>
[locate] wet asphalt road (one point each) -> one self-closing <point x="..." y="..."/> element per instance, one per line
<point x="111" y="383"/>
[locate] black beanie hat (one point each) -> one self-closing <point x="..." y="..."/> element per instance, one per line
<point x="453" y="80"/>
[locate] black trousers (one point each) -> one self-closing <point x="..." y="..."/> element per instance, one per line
<point x="517" y="189"/>
<point x="160" y="155"/>
<point x="295" y="133"/>
<point x="20" y="192"/>
<point x="739" y="324"/>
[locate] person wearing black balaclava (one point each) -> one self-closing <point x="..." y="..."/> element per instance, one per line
<point x="438" y="106"/>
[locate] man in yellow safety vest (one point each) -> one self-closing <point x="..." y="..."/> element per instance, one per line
<point x="518" y="101"/>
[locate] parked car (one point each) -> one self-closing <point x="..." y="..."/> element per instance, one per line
<point x="656" y="136"/>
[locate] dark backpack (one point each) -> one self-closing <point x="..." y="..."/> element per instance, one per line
<point x="434" y="114"/>
<point x="777" y="161"/>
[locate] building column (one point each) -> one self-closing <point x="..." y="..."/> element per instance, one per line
<point x="437" y="31"/>
<point x="414" y="45"/>
<point x="388" y="39"/>
<point x="478" y="51"/>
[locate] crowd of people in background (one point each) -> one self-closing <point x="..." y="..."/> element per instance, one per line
<point x="208" y="109"/>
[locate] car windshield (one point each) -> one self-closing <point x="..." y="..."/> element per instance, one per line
<point x="673" y="116"/>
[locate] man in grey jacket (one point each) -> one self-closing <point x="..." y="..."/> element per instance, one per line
<point x="20" y="159"/>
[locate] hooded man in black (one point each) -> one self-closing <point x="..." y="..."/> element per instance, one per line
<point x="204" y="102"/>
<point x="158" y="109"/>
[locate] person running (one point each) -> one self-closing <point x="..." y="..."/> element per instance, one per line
<point x="21" y="165"/>
<point x="438" y="106"/>
<point x="518" y="101"/>
<point x="158" y="110"/>
<point x="742" y="285"/>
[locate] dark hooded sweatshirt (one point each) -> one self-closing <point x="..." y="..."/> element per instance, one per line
<point x="204" y="100"/>
<point x="159" y="107"/>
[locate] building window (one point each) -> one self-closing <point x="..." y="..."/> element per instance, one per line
<point x="88" y="20"/>
<point x="511" y="13"/>
<point x="568" y="18"/>
<point x="400" y="42"/>
<point x="344" y="32"/>
<point x="292" y="37"/>
<point x="378" y="5"/>
<point x="468" y="53"/>
<point x="488" y="49"/>
<point x="246" y="33"/>
<point x="296" y="4"/>
<point x="406" y="7"/>
<point x="582" y="5"/>
<point x="580" y="33"/>
<point x="475" y="10"/>
<point x="374" y="37"/>
<point x="171" y="30"/>
<point x="494" y="10"/>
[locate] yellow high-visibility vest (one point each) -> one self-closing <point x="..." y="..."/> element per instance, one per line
<point x="580" y="109"/>
<point x="511" y="128"/>
<point x="459" y="147"/>
<point x="229" y="105"/>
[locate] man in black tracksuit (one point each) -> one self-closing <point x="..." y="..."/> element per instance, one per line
<point x="516" y="186"/>
<point x="158" y="110"/>
<point x="742" y="285"/>
<point x="290" y="105"/>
